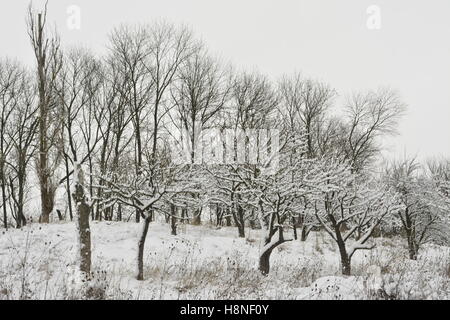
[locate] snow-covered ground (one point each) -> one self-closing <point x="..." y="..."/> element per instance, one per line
<point x="203" y="262"/>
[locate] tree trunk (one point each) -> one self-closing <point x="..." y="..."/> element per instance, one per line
<point x="47" y="202"/>
<point x="141" y="245"/>
<point x="305" y="233"/>
<point x="43" y="54"/>
<point x="240" y="222"/>
<point x="5" y="215"/>
<point x="196" y="219"/>
<point x="83" y="210"/>
<point x="294" y="225"/>
<point x="91" y="182"/>
<point x="410" y="236"/>
<point x="345" y="259"/>
<point x="119" y="212"/>
<point x="138" y="155"/>
<point x="84" y="231"/>
<point x="21" y="196"/>
<point x="98" y="211"/>
<point x="412" y="247"/>
<point x="69" y="200"/>
<point x="264" y="262"/>
<point x="228" y="218"/>
<point x="173" y="220"/>
<point x="270" y="243"/>
<point x="137" y="216"/>
<point x="60" y="217"/>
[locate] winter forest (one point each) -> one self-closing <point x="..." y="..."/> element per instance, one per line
<point x="161" y="171"/>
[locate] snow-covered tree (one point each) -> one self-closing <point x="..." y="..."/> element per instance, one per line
<point x="439" y="171"/>
<point x="349" y="208"/>
<point x="421" y="217"/>
<point x="272" y="188"/>
<point x="157" y="184"/>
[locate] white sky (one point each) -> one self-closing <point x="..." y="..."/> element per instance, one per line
<point x="324" y="39"/>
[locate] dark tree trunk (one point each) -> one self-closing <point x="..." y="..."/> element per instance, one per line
<point x="69" y="197"/>
<point x="264" y="258"/>
<point x="138" y="155"/>
<point x="108" y="213"/>
<point x="345" y="259"/>
<point x="228" y="221"/>
<point x="228" y="218"/>
<point x="22" y="221"/>
<point x="60" y="217"/>
<point x="98" y="211"/>
<point x="305" y="233"/>
<point x="137" y="216"/>
<point x="173" y="220"/>
<point x="240" y="222"/>
<point x="345" y="265"/>
<point x="91" y="182"/>
<point x="411" y="236"/>
<point x="412" y="246"/>
<point x="141" y="245"/>
<point x="119" y="212"/>
<point x="47" y="203"/>
<point x="152" y="215"/>
<point x="196" y="219"/>
<point x="412" y="253"/>
<point x="5" y="214"/>
<point x="264" y="262"/>
<point x="294" y="225"/>
<point x="219" y="215"/>
<point x="43" y="54"/>
<point x="238" y="217"/>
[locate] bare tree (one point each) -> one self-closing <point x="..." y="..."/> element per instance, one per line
<point x="48" y="64"/>
<point x="112" y="118"/>
<point x="252" y="110"/>
<point x="168" y="47"/>
<point x="130" y="53"/>
<point x="304" y="105"/>
<point x="76" y="83"/>
<point x="9" y="82"/>
<point x="370" y="116"/>
<point x="303" y="108"/>
<point x="18" y="130"/>
<point x="199" y="95"/>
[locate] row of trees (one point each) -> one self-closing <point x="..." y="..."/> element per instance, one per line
<point x="289" y="163"/>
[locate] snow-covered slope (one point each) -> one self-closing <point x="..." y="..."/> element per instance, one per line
<point x="202" y="262"/>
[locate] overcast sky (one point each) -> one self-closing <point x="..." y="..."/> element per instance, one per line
<point x="326" y="39"/>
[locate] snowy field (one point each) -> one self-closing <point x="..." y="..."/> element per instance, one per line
<point x="202" y="262"/>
